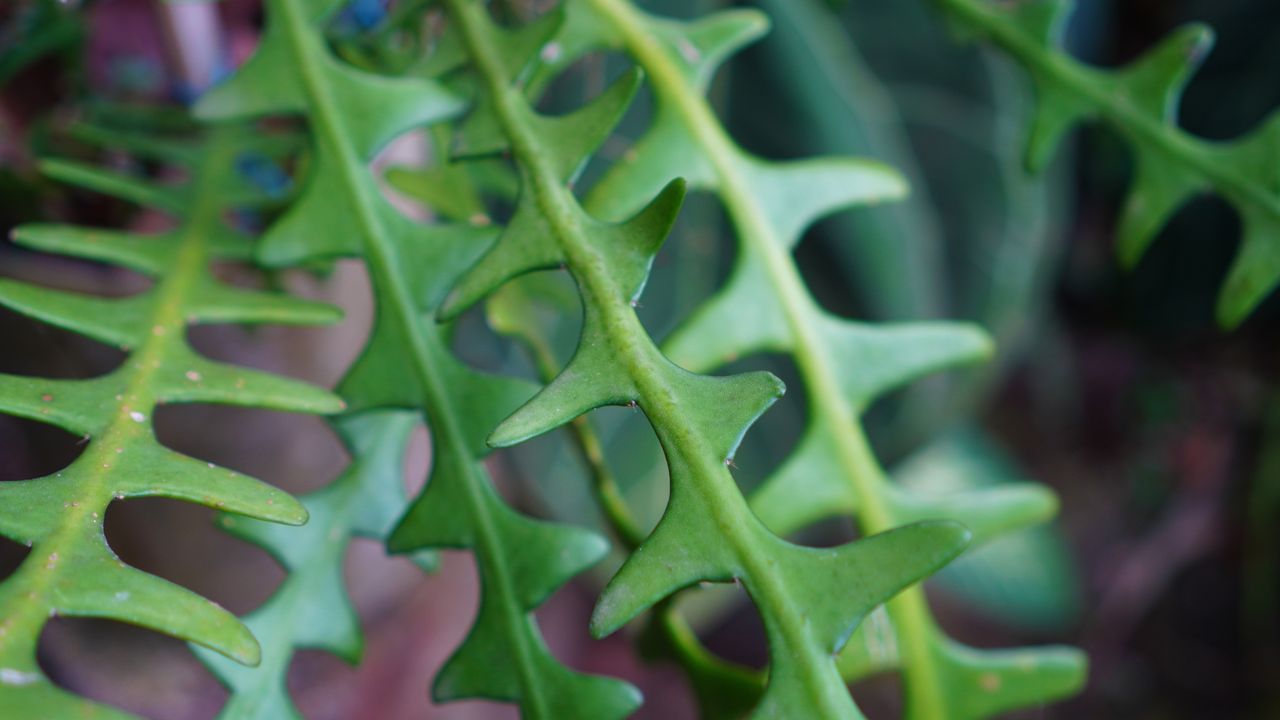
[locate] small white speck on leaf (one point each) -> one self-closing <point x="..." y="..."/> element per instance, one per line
<point x="9" y="676"/>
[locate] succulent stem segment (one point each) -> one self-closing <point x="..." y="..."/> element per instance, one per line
<point x="810" y="599"/>
<point x="844" y="365"/>
<point x="407" y="362"/>
<point x="71" y="570"/>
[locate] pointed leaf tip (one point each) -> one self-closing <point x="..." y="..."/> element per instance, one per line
<point x="1155" y="81"/>
<point x="797" y="193"/>
<point x="1254" y="273"/>
<point x="891" y="355"/>
<point x="585" y="384"/>
<point x="704" y="45"/>
<point x="574" y="137"/>
<point x="525" y="245"/>
<point x="632" y="245"/>
<point x="723" y="408"/>
<point x="1158" y="190"/>
<point x="987" y="683"/>
<point x="681" y="551"/>
<point x="863" y="575"/>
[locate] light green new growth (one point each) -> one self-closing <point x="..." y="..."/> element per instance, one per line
<point x="810" y="599"/>
<point x="1140" y="101"/>
<point x="407" y="363"/>
<point x="71" y="570"/>
<point x="845" y="365"/>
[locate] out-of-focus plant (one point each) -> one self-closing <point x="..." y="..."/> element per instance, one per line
<point x="1140" y="101"/>
<point x="71" y="570"/>
<point x="514" y="189"/>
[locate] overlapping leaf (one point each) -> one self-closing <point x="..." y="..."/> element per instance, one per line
<point x="845" y="365"/>
<point x="530" y="310"/>
<point x="810" y="600"/>
<point x="407" y="363"/>
<point x="71" y="570"/>
<point x="311" y="609"/>
<point x="1140" y="100"/>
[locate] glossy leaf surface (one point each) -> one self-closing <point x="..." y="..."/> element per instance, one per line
<point x="407" y="363"/>
<point x="707" y="532"/>
<point x="71" y="570"/>
<point x="844" y="364"/>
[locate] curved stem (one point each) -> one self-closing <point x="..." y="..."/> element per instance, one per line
<point x="444" y="417"/>
<point x="908" y="610"/>
<point x="642" y="363"/>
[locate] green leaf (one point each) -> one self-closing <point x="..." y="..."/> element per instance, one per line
<point x="962" y="473"/>
<point x="47" y="28"/>
<point x="528" y="310"/>
<point x="407" y="363"/>
<point x="1024" y="578"/>
<point x="835" y="102"/>
<point x="118" y="185"/>
<point x="573" y="138"/>
<point x="71" y="570"/>
<point x="449" y="189"/>
<point x="703" y="45"/>
<point x="1140" y="101"/>
<point x="525" y="245"/>
<point x="844" y="365"/>
<point x="977" y="683"/>
<point x="707" y="532"/>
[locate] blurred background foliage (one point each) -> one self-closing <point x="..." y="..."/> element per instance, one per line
<point x="1160" y="433"/>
